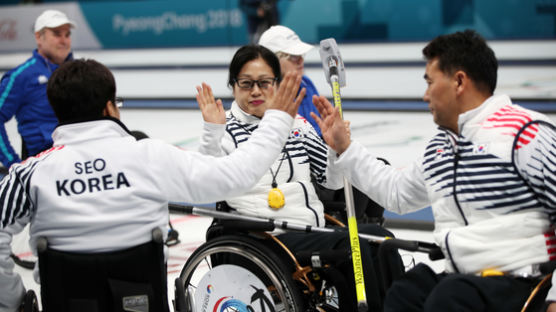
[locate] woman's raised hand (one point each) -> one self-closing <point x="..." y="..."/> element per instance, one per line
<point x="285" y="97"/>
<point x="212" y="110"/>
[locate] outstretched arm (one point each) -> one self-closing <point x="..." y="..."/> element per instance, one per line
<point x="333" y="129"/>
<point x="239" y="171"/>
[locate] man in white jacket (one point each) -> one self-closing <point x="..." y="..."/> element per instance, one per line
<point x="489" y="175"/>
<point x="98" y="189"/>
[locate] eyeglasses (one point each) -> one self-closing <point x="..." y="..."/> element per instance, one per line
<point x="290" y="57"/>
<point x="264" y="83"/>
<point x="119" y="102"/>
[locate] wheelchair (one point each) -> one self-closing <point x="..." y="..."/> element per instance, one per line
<point x="243" y="268"/>
<point x="133" y="279"/>
<point x="233" y="269"/>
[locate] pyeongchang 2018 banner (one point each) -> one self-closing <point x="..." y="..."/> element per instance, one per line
<point x="166" y="23"/>
<point x="178" y="23"/>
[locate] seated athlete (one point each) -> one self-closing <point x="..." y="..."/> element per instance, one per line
<point x="98" y="189"/>
<point x="285" y="192"/>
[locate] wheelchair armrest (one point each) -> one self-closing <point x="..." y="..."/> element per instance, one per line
<point x="30" y="302"/>
<point x="42" y="244"/>
<point x="436" y="253"/>
<point x="157" y="236"/>
<point x="180" y="304"/>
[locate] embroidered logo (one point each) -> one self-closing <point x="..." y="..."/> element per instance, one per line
<point x="136" y="303"/>
<point x="296" y="133"/>
<point x="439" y="153"/>
<point x="42" y="79"/>
<point x="480" y="149"/>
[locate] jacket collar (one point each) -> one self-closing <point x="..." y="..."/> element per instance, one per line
<point x="89" y="130"/>
<point x="478" y="114"/>
<point x="242" y="116"/>
<point x="47" y="62"/>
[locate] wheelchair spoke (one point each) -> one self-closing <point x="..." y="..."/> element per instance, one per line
<point x="209" y="265"/>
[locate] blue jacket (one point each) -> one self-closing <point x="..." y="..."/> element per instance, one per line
<point x="23" y="94"/>
<point x="307" y="105"/>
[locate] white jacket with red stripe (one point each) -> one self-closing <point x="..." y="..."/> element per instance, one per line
<point x="486" y="214"/>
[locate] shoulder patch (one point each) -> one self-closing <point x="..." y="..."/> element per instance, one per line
<point x="509" y="119"/>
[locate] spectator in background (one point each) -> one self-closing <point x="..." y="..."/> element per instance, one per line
<point x="260" y="16"/>
<point x="23" y="89"/>
<point x="285" y="43"/>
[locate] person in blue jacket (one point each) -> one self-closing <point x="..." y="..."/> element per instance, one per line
<point x="23" y="89"/>
<point x="285" y="43"/>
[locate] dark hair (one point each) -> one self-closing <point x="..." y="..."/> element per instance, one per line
<point x="248" y="53"/>
<point x="79" y="90"/>
<point x="466" y="51"/>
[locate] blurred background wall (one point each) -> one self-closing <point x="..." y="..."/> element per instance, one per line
<point x="176" y="23"/>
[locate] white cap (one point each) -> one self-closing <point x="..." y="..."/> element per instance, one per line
<point x="52" y="19"/>
<point x="282" y="39"/>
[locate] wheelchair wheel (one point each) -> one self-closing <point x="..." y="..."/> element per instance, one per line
<point x="237" y="273"/>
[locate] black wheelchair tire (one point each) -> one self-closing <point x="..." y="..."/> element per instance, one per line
<point x="255" y="252"/>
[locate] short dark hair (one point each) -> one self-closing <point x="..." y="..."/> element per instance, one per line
<point x="79" y="90"/>
<point x="248" y="53"/>
<point x="466" y="51"/>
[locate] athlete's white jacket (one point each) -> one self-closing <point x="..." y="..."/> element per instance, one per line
<point x="304" y="155"/>
<point x="98" y="189"/>
<point x="497" y="221"/>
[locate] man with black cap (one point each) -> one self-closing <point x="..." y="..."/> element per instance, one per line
<point x="23" y="89"/>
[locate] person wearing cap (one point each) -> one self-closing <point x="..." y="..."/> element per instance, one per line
<point x="23" y="89"/>
<point x="285" y="43"/>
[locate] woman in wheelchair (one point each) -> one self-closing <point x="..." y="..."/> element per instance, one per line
<point x="285" y="192"/>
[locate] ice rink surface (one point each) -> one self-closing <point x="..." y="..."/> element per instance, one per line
<point x="399" y="137"/>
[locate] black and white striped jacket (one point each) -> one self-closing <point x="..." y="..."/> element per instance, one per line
<point x="490" y="210"/>
<point x="303" y="156"/>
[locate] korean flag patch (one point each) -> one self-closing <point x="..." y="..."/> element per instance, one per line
<point x="480" y="149"/>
